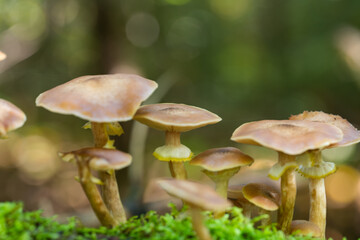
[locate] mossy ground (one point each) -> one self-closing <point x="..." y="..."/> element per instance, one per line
<point x="19" y="225"/>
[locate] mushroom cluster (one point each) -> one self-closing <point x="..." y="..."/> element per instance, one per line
<point x="104" y="101"/>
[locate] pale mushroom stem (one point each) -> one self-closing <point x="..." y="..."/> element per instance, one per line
<point x="246" y="210"/>
<point x="221" y="187"/>
<point x="265" y="221"/>
<point x="317" y="197"/>
<point x="110" y="189"/>
<point x="198" y="224"/>
<point x="93" y="195"/>
<point x="288" y="193"/>
<point x="177" y="169"/>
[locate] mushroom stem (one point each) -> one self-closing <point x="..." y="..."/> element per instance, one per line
<point x="317" y="196"/>
<point x="93" y="195"/>
<point x="221" y="187"/>
<point x="198" y="224"/>
<point x="265" y="221"/>
<point x="246" y="210"/>
<point x="110" y="189"/>
<point x="177" y="169"/>
<point x="288" y="193"/>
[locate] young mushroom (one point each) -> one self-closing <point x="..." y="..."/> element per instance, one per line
<point x="289" y="138"/>
<point x="103" y="100"/>
<point x="102" y="160"/>
<point x="11" y="117"/>
<point x="305" y="228"/>
<point x="265" y="197"/>
<point x="174" y="119"/>
<point x="236" y="196"/>
<point x="199" y="197"/>
<point x="220" y="164"/>
<point x="316" y="169"/>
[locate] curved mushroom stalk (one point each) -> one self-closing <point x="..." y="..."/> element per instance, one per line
<point x="93" y="195"/>
<point x="198" y="224"/>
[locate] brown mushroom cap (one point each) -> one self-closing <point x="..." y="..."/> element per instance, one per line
<point x="351" y="134"/>
<point x="11" y="117"/>
<point x="263" y="196"/>
<point x="101" y="159"/>
<point x="304" y="228"/>
<point x="175" y="117"/>
<point x="2" y="56"/>
<point x="235" y="193"/>
<point x="292" y="137"/>
<point x="99" y="98"/>
<point x="196" y="194"/>
<point x="218" y="159"/>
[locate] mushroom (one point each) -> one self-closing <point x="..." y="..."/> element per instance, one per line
<point x="199" y="197"/>
<point x="11" y="117"/>
<point x="103" y="100"/>
<point x="220" y="164"/>
<point x="174" y="119"/>
<point x="265" y="197"/>
<point x="235" y="195"/>
<point x="305" y="228"/>
<point x="102" y="160"/>
<point x="316" y="169"/>
<point x="289" y="138"/>
<point x="2" y="56"/>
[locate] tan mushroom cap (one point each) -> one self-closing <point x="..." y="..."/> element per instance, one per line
<point x="99" y="98"/>
<point x="175" y="117"/>
<point x="235" y="194"/>
<point x="292" y="137"/>
<point x="2" y="56"/>
<point x="101" y="159"/>
<point x="218" y="159"/>
<point x="263" y="196"/>
<point x="351" y="134"/>
<point x="11" y="117"/>
<point x="304" y="228"/>
<point x="195" y="194"/>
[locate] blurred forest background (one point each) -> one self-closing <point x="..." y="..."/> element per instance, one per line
<point x="244" y="60"/>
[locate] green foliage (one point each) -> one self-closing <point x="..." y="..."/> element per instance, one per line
<point x="15" y="224"/>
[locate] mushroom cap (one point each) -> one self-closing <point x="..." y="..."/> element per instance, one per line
<point x="351" y="134"/>
<point x="195" y="194"/>
<point x="11" y="117"/>
<point x="2" y="56"/>
<point x="262" y="196"/>
<point x="218" y="159"/>
<point x="99" y="98"/>
<point x="101" y="159"/>
<point x="292" y="137"/>
<point x="304" y="228"/>
<point x="175" y="117"/>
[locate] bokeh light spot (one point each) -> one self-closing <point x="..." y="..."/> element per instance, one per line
<point x="142" y="29"/>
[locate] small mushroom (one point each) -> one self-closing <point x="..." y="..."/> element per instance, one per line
<point x="199" y="197"/>
<point x="220" y="164"/>
<point x="316" y="169"/>
<point x="99" y="159"/>
<point x="174" y="119"/>
<point x="265" y="197"/>
<point x="289" y="138"/>
<point x="236" y="196"/>
<point x="2" y="56"/>
<point x="103" y="100"/>
<point x="305" y="228"/>
<point x="11" y="117"/>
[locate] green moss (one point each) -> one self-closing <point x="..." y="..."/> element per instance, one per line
<point x="16" y="224"/>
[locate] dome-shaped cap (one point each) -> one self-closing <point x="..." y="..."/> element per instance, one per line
<point x="218" y="159"/>
<point x="263" y="196"/>
<point x="101" y="159"/>
<point x="196" y="194"/>
<point x="351" y="134"/>
<point x="11" y="117"/>
<point x="99" y="98"/>
<point x="175" y="117"/>
<point x="2" y="56"/>
<point x="292" y="137"/>
<point x="304" y="228"/>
